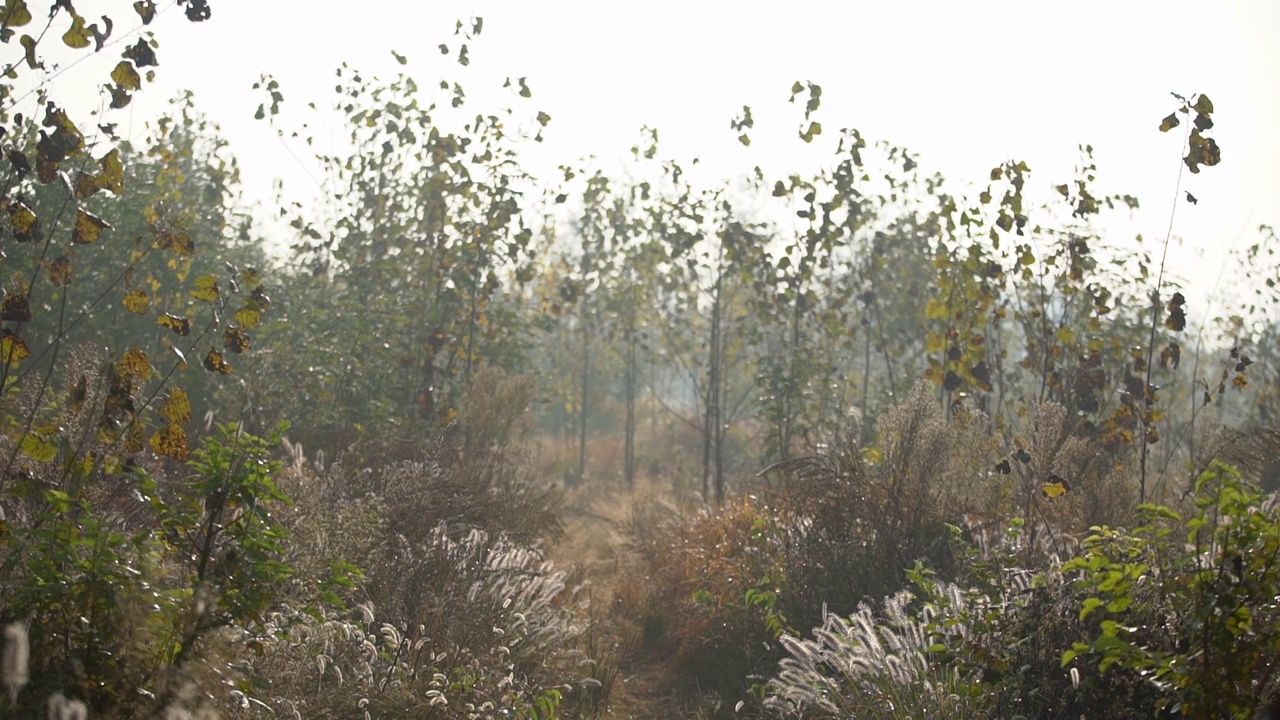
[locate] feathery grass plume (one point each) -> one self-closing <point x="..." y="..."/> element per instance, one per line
<point x="487" y="617"/>
<point x="60" y="708"/>
<point x="13" y="665"/>
<point x="875" y="665"/>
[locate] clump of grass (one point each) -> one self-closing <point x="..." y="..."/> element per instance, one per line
<point x="494" y="616"/>
<point x="876" y="664"/>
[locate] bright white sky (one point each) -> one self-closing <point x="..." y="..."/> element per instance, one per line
<point x="965" y="85"/>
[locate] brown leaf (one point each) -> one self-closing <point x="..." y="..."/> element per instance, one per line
<point x="60" y="271"/>
<point x="15" y="308"/>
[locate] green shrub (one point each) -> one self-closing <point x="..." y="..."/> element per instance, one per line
<point x="1191" y="602"/>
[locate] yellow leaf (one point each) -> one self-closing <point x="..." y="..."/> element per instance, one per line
<point x="25" y="224"/>
<point x="133" y="438"/>
<point x="88" y="228"/>
<point x="1056" y="487"/>
<point x="206" y="288"/>
<point x="177" y="407"/>
<point x="176" y="323"/>
<point x="125" y="76"/>
<point x="109" y="177"/>
<point x="13" y="349"/>
<point x="171" y="441"/>
<point x="134" y="364"/>
<point x="137" y="301"/>
<point x="112" y="175"/>
<point x="249" y="316"/>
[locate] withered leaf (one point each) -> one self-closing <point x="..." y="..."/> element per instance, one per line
<point x="214" y="362"/>
<point x="79" y="393"/>
<point x="19" y="161"/>
<point x="146" y="10"/>
<point x="24" y="222"/>
<point x="15" y="308"/>
<point x="142" y="54"/>
<point x="60" y="271"/>
<point x="236" y="340"/>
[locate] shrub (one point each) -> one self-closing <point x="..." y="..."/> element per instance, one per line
<point x="1188" y="601"/>
<point x="127" y="605"/>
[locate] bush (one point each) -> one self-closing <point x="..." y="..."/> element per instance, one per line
<point x="1188" y="601"/>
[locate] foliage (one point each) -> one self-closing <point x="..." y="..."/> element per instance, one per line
<point x="399" y="294"/>
<point x="125" y="599"/>
<point x="768" y="329"/>
<point x="456" y="607"/>
<point x="1188" y="601"/>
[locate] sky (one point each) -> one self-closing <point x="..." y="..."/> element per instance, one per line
<point x="965" y="85"/>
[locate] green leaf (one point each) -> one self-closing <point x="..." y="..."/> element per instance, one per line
<point x="1089" y="605"/>
<point x="38" y="448"/>
<point x="1170" y="122"/>
<point x="78" y="36"/>
<point x="15" y="13"/>
<point x="125" y="76"/>
<point x="13" y="349"/>
<point x="1120" y="604"/>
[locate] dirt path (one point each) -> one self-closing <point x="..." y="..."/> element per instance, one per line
<point x="595" y="543"/>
